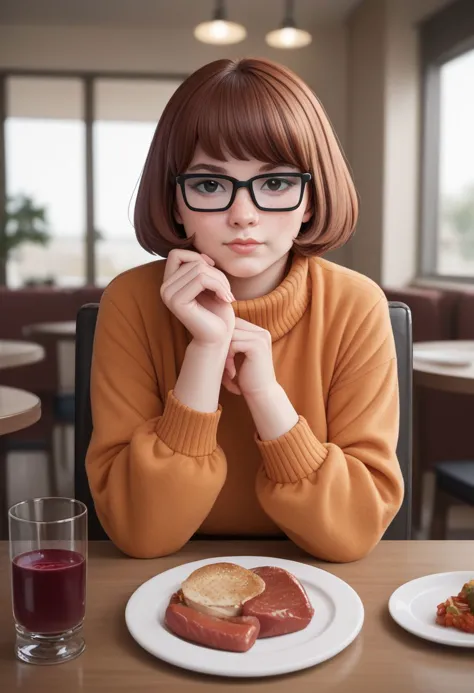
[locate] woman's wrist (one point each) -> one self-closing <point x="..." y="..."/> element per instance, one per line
<point x="199" y="381"/>
<point x="272" y="412"/>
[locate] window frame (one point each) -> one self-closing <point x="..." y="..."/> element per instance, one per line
<point x="444" y="36"/>
<point x="88" y="79"/>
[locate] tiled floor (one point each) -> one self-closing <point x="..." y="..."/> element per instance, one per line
<point x="28" y="478"/>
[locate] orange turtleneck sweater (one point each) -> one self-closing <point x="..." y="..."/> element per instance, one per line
<point x="160" y="472"/>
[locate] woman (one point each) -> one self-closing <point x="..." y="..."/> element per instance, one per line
<point x="244" y="386"/>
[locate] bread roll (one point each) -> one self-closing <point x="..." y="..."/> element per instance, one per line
<point x="221" y="589"/>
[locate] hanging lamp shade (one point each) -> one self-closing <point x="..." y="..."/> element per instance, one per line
<point x="288" y="35"/>
<point x="219" y="31"/>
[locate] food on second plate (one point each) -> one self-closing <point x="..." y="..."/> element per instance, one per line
<point x="227" y="607"/>
<point x="458" y="612"/>
<point x="283" y="607"/>
<point x="221" y="589"/>
<point x="237" y="634"/>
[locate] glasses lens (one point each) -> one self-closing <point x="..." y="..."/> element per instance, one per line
<point x="277" y="192"/>
<point x="208" y="192"/>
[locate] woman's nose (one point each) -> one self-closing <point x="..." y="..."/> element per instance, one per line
<point x="243" y="211"/>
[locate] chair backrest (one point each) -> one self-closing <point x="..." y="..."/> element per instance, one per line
<point x="401" y="324"/>
<point x="400" y="317"/>
<point x="85" y="330"/>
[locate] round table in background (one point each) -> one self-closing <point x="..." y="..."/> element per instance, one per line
<point x="18" y="409"/>
<point x="439" y="375"/>
<point x="60" y="337"/>
<point x="16" y="353"/>
<point x="65" y="330"/>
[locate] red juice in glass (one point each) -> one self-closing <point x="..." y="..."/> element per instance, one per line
<point x="48" y="554"/>
<point x="49" y="588"/>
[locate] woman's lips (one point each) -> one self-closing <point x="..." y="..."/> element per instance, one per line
<point x="244" y="248"/>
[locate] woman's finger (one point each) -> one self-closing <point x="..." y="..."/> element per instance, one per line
<point x="242" y="346"/>
<point x="176" y="258"/>
<point x="250" y="347"/>
<point x="182" y="270"/>
<point x="208" y="259"/>
<point x="230" y="367"/>
<point x="197" y="285"/>
<point x="230" y="385"/>
<point x="185" y="274"/>
<point x="247" y="326"/>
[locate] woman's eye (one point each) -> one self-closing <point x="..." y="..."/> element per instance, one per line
<point x="277" y="184"/>
<point x="207" y="186"/>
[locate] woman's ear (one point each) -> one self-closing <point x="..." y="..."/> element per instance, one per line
<point x="308" y="212"/>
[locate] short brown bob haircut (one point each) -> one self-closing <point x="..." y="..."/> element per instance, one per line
<point x="249" y="108"/>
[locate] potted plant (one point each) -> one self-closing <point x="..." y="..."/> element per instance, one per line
<point x="23" y="222"/>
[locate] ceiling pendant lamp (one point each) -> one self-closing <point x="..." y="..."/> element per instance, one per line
<point x="220" y="31"/>
<point x="288" y="36"/>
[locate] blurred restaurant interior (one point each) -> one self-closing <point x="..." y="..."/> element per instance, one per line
<point x="82" y="86"/>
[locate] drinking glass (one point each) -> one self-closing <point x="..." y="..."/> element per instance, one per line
<point x="48" y="554"/>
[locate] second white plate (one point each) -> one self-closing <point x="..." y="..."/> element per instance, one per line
<point x="413" y="607"/>
<point x="337" y="620"/>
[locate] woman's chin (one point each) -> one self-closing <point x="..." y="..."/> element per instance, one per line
<point x="242" y="268"/>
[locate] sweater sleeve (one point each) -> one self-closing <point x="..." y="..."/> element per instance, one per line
<point x="335" y="498"/>
<point x="153" y="464"/>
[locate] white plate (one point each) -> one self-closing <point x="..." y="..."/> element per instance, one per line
<point x="338" y="618"/>
<point x="443" y="358"/>
<point x="413" y="607"/>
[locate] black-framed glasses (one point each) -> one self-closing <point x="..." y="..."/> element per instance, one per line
<point x="270" y="192"/>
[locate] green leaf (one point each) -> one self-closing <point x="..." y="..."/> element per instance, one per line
<point x="23" y="222"/>
<point x="470" y="598"/>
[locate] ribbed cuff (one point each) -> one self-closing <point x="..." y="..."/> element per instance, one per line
<point x="187" y="431"/>
<point x="292" y="456"/>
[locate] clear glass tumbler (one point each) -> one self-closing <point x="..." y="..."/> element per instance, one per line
<point x="48" y="554"/>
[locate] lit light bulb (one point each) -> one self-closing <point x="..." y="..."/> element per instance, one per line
<point x="288" y="37"/>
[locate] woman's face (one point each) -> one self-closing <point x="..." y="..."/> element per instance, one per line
<point x="216" y="233"/>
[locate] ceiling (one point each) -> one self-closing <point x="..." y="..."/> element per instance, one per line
<point x="168" y="14"/>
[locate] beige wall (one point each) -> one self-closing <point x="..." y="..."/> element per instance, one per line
<point x="365" y="127"/>
<point x="384" y="135"/>
<point x="323" y="64"/>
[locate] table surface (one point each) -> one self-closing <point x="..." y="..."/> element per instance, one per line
<point x="18" y="409"/>
<point x="442" y="376"/>
<point x="14" y="353"/>
<point x="383" y="658"/>
<point x="61" y="330"/>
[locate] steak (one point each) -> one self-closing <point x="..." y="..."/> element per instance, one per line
<point x="283" y="607"/>
<point x="237" y="634"/>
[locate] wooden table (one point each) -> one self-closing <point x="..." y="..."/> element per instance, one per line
<point x="13" y="353"/>
<point x="383" y="659"/>
<point x="445" y="377"/>
<point x="18" y="409"/>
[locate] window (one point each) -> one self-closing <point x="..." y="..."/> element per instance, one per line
<point x="456" y="170"/>
<point x="74" y="151"/>
<point x="125" y="120"/>
<point x="447" y="244"/>
<point x="45" y="174"/>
